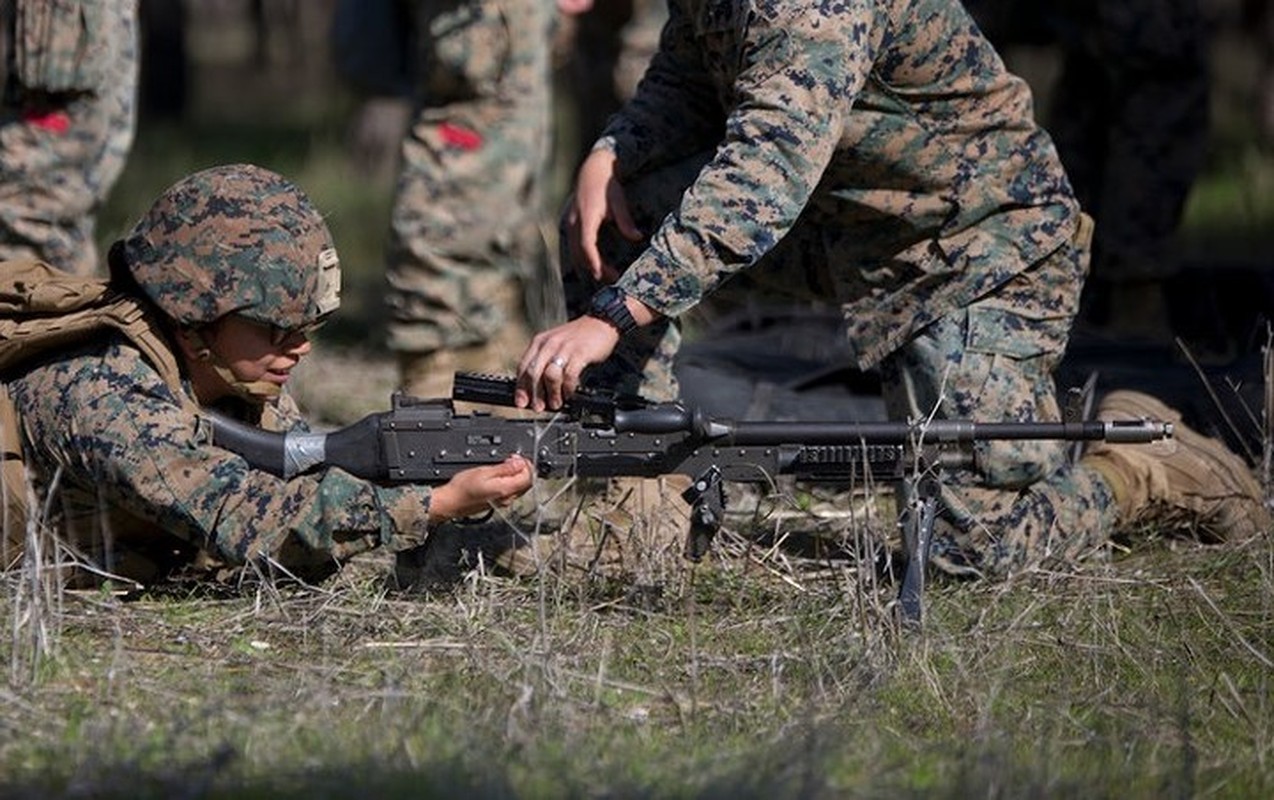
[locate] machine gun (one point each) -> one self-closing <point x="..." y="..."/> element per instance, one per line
<point x="600" y="434"/>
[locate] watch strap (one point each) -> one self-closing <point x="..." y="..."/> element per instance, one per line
<point x="609" y="306"/>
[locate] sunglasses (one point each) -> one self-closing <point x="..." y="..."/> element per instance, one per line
<point x="281" y="336"/>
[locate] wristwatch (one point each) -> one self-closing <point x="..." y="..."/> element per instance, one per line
<point x="608" y="305"/>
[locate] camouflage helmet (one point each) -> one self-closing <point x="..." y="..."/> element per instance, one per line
<point x="235" y="239"/>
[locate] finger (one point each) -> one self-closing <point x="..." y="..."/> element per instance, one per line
<point x="526" y="394"/>
<point x="522" y="469"/>
<point x="590" y="256"/>
<point x="584" y="222"/>
<point x="522" y="390"/>
<point x="624" y="218"/>
<point x="571" y="376"/>
<point x="553" y="378"/>
<point x="512" y="467"/>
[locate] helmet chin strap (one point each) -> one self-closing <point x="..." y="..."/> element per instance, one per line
<point x="255" y="392"/>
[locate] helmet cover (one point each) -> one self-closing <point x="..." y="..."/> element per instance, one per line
<point x="235" y="239"/>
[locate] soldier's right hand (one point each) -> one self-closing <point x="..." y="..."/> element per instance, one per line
<point x="476" y="490"/>
<point x="599" y="198"/>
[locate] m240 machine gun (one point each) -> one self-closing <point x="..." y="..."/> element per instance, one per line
<point x="599" y="434"/>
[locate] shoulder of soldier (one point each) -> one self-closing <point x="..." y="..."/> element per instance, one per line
<point x="97" y="379"/>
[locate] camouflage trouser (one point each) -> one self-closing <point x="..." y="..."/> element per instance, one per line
<point x="1024" y="502"/>
<point x="991" y="360"/>
<point x="60" y="155"/>
<point x="465" y="220"/>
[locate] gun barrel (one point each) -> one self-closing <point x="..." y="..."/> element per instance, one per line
<point x="639" y="416"/>
<point x="940" y="431"/>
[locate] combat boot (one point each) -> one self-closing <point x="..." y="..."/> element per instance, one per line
<point x="1188" y="483"/>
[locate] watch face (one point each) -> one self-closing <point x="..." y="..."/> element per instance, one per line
<point x="607" y="297"/>
<point x="608" y="304"/>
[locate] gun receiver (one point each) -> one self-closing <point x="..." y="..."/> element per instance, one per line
<point x="602" y="435"/>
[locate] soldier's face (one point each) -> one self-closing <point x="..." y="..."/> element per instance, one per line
<point x="256" y="352"/>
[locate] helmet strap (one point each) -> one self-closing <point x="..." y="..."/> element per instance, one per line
<point x="256" y="392"/>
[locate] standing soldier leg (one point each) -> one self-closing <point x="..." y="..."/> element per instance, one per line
<point x="464" y="227"/>
<point x="457" y="246"/>
<point x="66" y="127"/>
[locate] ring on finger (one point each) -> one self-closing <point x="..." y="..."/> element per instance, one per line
<point x="559" y="362"/>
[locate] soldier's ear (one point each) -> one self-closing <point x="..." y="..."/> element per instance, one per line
<point x="193" y="346"/>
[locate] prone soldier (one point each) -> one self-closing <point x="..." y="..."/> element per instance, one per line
<point x="229" y="272"/>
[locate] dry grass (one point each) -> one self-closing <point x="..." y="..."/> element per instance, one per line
<point x="1147" y="677"/>
<point x="766" y="671"/>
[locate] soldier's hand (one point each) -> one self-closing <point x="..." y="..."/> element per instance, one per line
<point x="599" y="198"/>
<point x="551" y="367"/>
<point x="475" y="490"/>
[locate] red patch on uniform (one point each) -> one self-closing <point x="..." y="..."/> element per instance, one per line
<point x="459" y="137"/>
<point x="52" y="121"/>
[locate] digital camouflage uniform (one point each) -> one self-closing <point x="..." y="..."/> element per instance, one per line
<point x="67" y="123"/>
<point x="464" y="231"/>
<point x="136" y="485"/>
<point x="878" y="156"/>
<point x="140" y="489"/>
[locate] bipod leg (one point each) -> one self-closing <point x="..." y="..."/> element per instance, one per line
<point x="917" y="534"/>
<point x="706" y="497"/>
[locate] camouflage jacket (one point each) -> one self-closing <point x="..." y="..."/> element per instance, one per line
<point x="136" y="480"/>
<point x="887" y="133"/>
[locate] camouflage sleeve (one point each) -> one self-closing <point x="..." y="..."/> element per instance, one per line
<point x="120" y="434"/>
<point x="674" y="112"/>
<point x="799" y="70"/>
